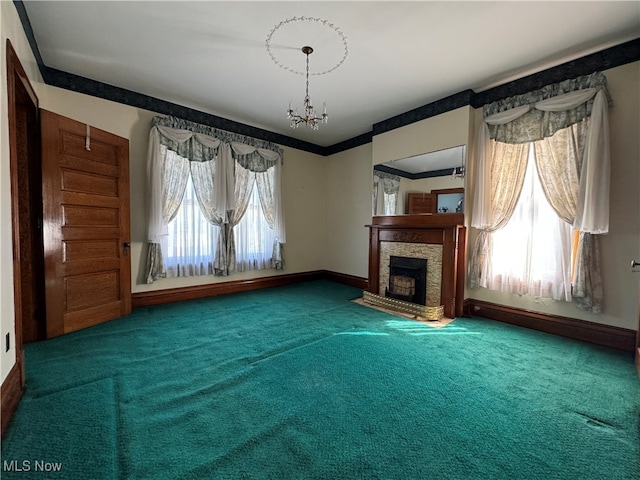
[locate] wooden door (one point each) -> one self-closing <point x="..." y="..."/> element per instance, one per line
<point x="85" y="185"/>
<point x="422" y="203"/>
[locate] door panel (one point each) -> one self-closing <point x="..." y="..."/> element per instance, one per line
<point x="86" y="218"/>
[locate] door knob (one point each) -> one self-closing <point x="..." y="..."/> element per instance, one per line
<point x="635" y="264"/>
<point x="126" y="246"/>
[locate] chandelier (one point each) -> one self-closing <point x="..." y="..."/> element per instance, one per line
<point x="459" y="172"/>
<point x="308" y="117"/>
<point x="334" y="52"/>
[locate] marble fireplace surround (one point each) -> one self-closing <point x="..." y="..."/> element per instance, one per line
<point x="440" y="238"/>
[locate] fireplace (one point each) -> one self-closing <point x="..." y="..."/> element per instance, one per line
<point x="440" y="240"/>
<point x="407" y="279"/>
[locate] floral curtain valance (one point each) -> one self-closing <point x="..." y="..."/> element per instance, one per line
<point x="521" y="124"/>
<point x="539" y="114"/>
<point x="390" y="182"/>
<point x="199" y="143"/>
<point x="222" y="135"/>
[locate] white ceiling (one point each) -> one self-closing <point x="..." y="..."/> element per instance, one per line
<point x="448" y="158"/>
<point x="211" y="56"/>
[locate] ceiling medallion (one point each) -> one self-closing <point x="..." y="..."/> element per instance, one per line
<point x="292" y="30"/>
<point x="295" y="27"/>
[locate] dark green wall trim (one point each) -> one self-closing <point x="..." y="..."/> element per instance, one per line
<point x="612" y="57"/>
<point x="413" y="176"/>
<point x="79" y="84"/>
<point x="349" y="144"/>
<point x="426" y="111"/>
<point x="26" y="26"/>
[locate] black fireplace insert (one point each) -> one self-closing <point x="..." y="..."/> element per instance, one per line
<point x="407" y="279"/>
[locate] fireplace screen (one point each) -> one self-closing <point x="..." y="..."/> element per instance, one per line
<point x="408" y="279"/>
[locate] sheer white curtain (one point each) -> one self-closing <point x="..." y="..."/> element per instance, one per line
<point x="244" y="181"/>
<point x="254" y="238"/>
<point x="268" y="185"/>
<point x="592" y="210"/>
<point x="531" y="254"/>
<point x="190" y="246"/>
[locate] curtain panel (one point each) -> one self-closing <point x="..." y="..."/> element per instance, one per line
<point x="213" y="157"/>
<point x="568" y="125"/>
<point x="389" y="184"/>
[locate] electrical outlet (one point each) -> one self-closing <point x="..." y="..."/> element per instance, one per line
<point x="7" y="342"/>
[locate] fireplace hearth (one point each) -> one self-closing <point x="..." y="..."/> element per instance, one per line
<point x="407" y="279"/>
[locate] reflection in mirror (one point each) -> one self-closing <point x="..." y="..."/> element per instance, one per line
<point x="394" y="180"/>
<point x="450" y="200"/>
<point x="386" y="191"/>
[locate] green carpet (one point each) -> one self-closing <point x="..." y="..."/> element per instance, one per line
<point x="300" y="383"/>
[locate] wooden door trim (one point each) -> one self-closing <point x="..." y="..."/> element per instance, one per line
<point x="12" y="389"/>
<point x="13" y="385"/>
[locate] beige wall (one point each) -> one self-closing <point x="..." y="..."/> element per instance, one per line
<point x="349" y="181"/>
<point x="446" y="130"/>
<point x="11" y="28"/>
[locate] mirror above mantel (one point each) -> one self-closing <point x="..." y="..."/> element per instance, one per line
<point x="439" y="174"/>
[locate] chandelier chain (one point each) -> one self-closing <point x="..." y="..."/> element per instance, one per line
<point x="307" y="90"/>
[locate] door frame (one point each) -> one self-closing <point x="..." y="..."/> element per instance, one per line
<point x="18" y="85"/>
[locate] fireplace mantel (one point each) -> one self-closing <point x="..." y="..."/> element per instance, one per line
<point x="446" y="229"/>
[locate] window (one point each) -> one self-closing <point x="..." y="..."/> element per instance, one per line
<point x="192" y="240"/>
<point x="254" y="238"/>
<point x="202" y="183"/>
<point x="390" y="203"/>
<point x="531" y="254"/>
<point x="567" y="126"/>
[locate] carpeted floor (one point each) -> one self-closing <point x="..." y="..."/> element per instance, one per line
<point x="300" y="382"/>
